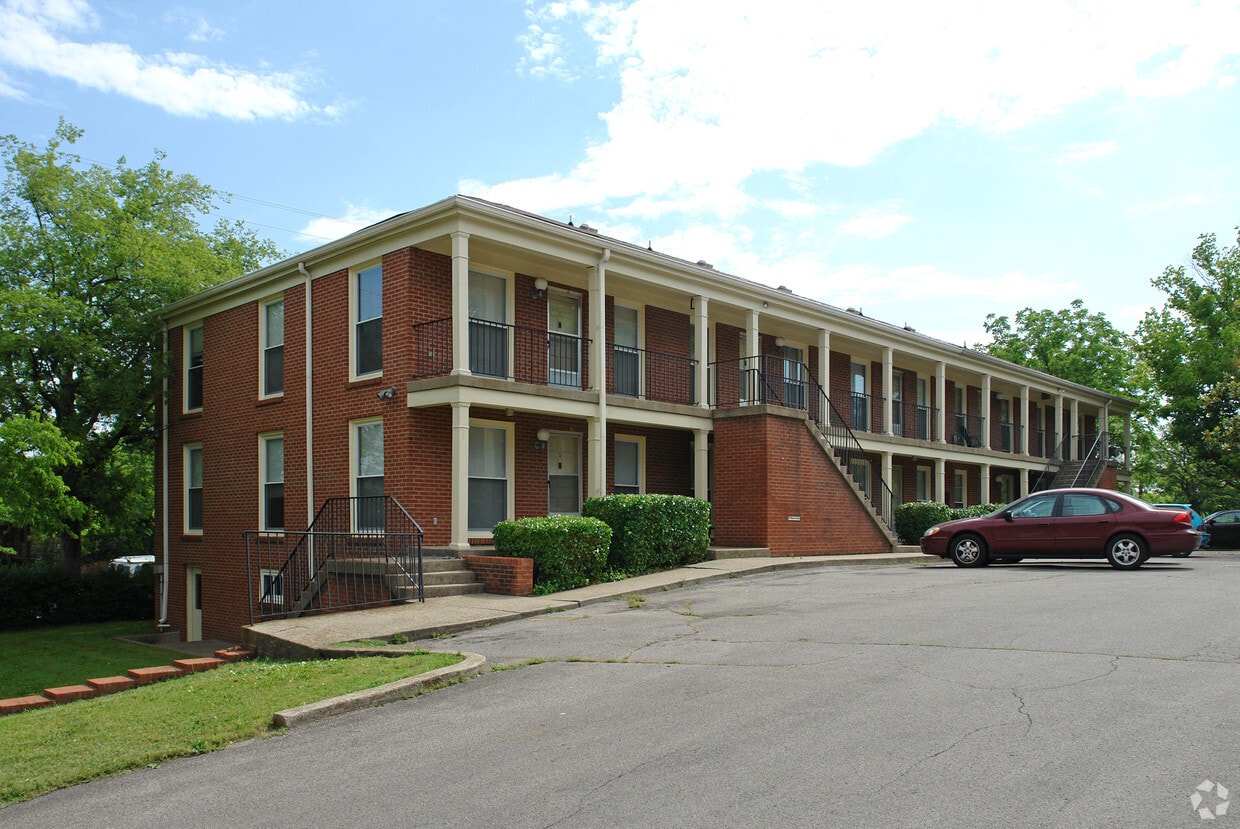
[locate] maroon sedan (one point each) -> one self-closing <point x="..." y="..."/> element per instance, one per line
<point x="1065" y="523"/>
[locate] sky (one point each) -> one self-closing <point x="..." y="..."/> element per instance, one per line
<point x="926" y="162"/>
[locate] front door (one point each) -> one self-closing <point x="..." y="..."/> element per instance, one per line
<point x="794" y="377"/>
<point x="564" y="474"/>
<point x="193" y="604"/>
<point x="564" y="340"/>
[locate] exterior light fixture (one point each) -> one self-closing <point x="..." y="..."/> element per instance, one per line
<point x="540" y="288"/>
<point x="542" y="437"/>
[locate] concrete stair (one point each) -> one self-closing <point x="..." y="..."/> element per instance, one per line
<point x="722" y="553"/>
<point x="448" y="576"/>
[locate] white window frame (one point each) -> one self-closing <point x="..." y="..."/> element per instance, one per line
<point x="640" y="442"/>
<point x="639" y="311"/>
<point x="510" y="461"/>
<point x="263" y="482"/>
<point x="187" y="452"/>
<point x="265" y="576"/>
<point x="355" y="427"/>
<point x="355" y="275"/>
<point x="960" y="488"/>
<point x="264" y="347"/>
<point x="510" y="310"/>
<point x="576" y="439"/>
<point x="186" y="367"/>
<point x="925" y="474"/>
<point x="864" y="374"/>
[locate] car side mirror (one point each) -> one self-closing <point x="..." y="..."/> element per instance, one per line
<point x="1007" y="516"/>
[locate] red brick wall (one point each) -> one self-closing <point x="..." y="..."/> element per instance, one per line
<point x="503" y="574"/>
<point x="769" y="467"/>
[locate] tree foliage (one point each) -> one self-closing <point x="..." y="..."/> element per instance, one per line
<point x="1192" y="348"/>
<point x="88" y="255"/>
<point x="1071" y="343"/>
<point x="32" y="494"/>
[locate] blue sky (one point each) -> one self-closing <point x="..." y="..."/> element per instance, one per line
<point x="927" y="162"/>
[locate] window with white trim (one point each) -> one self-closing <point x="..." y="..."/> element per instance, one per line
<point x="924" y="490"/>
<point x="193" y="488"/>
<point x="489" y="487"/>
<point x="368" y="475"/>
<point x="193" y="368"/>
<point x="271" y="589"/>
<point x="628" y="465"/>
<point x="368" y="328"/>
<point x="271" y="463"/>
<point x="272" y="332"/>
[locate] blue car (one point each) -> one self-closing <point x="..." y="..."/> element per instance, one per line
<point x="1198" y="524"/>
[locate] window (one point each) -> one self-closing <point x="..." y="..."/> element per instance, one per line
<point x="273" y="348"/>
<point x="1005" y="486"/>
<point x="923" y="483"/>
<point x="627" y="465"/>
<point x="860" y="399"/>
<point x="193" y="368"/>
<point x="272" y="588"/>
<point x="1039" y="506"/>
<point x="962" y="494"/>
<point x="897" y="403"/>
<point x="897" y="486"/>
<point x="272" y="472"/>
<point x="193" y="489"/>
<point x="368" y="342"/>
<point x="1075" y="504"/>
<point x="488" y="477"/>
<point x="626" y="359"/>
<point x="368" y="478"/>
<point x="794" y="376"/>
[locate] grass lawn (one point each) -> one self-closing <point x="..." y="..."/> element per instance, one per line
<point x="50" y="748"/>
<point x="51" y="657"/>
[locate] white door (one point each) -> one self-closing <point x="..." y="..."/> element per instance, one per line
<point x="193" y="604"/>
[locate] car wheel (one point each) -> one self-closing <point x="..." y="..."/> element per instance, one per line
<point x="969" y="551"/>
<point x="1126" y="552"/>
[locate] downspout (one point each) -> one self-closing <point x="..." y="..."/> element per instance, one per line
<point x="301" y="267"/>
<point x="162" y="624"/>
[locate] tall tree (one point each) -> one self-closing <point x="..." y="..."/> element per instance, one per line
<point x="1071" y="343"/>
<point x="88" y="255"/>
<point x="1192" y="346"/>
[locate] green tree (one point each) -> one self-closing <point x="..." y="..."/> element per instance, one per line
<point x="88" y="255"/>
<point x="1192" y="347"/>
<point x="32" y="493"/>
<point x="1071" y="343"/>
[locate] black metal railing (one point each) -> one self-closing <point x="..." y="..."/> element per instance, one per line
<point x="966" y="430"/>
<point x="509" y="352"/>
<point x="1092" y="460"/>
<point x="357" y="552"/>
<point x="1054" y="463"/>
<point x="652" y="375"/>
<point x="913" y="420"/>
<point x="775" y="381"/>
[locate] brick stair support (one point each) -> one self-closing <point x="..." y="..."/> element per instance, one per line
<point x="111" y="684"/>
<point x="505" y="575"/>
<point x="236" y="653"/>
<point x="722" y="553"/>
<point x="147" y="676"/>
<point x="19" y="704"/>
<point x="69" y="693"/>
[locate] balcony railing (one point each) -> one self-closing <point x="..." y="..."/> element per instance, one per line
<point x="509" y="352"/>
<point x="966" y="430"/>
<point x="912" y="420"/>
<point x="652" y="375"/>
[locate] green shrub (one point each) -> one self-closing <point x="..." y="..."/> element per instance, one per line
<point x="913" y="519"/>
<point x="36" y="595"/>
<point x="653" y="532"/>
<point x="568" y="550"/>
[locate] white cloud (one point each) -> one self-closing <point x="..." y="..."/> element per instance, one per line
<point x="1086" y="151"/>
<point x="35" y="37"/>
<point x="874" y="224"/>
<point x="355" y="218"/>
<point x="714" y="92"/>
<point x="1176" y="203"/>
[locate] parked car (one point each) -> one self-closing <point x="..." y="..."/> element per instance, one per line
<point x="1065" y="523"/>
<point x="131" y="564"/>
<point x="1224" y="529"/>
<point x="1198" y="524"/>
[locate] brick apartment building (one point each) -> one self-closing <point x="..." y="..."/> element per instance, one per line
<point x="471" y="363"/>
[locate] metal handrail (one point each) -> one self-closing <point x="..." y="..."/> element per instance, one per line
<point x="1094" y="458"/>
<point x="510" y="352"/>
<point x="334" y="564"/>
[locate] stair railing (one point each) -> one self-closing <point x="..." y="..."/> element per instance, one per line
<point x="1093" y="461"/>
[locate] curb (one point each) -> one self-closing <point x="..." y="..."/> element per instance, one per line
<point x="472" y="665"/>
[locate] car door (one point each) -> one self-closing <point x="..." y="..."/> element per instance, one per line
<point x="1025" y="529"/>
<point x="1225" y="530"/>
<point x="1083" y="524"/>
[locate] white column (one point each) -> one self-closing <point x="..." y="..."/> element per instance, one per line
<point x="701" y="464"/>
<point x="1074" y="431"/>
<point x="460" y="476"/>
<point x="940" y="398"/>
<point x="1024" y="483"/>
<point x="1060" y="447"/>
<point x="984" y="495"/>
<point x="824" y="361"/>
<point x="985" y="427"/>
<point x="752" y="363"/>
<point x="701" y="332"/>
<point x="753" y="344"/>
<point x="888" y="398"/>
<point x="596" y="438"/>
<point x="887" y="471"/>
<point x="1024" y="420"/>
<point x="460" y="304"/>
<point x="940" y="480"/>
<point x="1128" y="441"/>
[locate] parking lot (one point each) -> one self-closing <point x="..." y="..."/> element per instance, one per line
<point x="1040" y="694"/>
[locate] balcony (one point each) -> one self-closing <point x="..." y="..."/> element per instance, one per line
<point x="651" y="375"/>
<point x="506" y="352"/>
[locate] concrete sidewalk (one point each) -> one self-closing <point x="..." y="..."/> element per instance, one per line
<point x="311" y="637"/>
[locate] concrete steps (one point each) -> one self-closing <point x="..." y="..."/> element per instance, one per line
<point x="722" y="553"/>
<point x="448" y="576"/>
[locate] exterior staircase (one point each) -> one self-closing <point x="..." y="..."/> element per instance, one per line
<point x="448" y="576"/>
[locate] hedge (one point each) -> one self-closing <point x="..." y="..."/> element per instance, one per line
<point x="653" y="532"/>
<point x="37" y="595"/>
<point x="913" y="519"/>
<point x="568" y="550"/>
